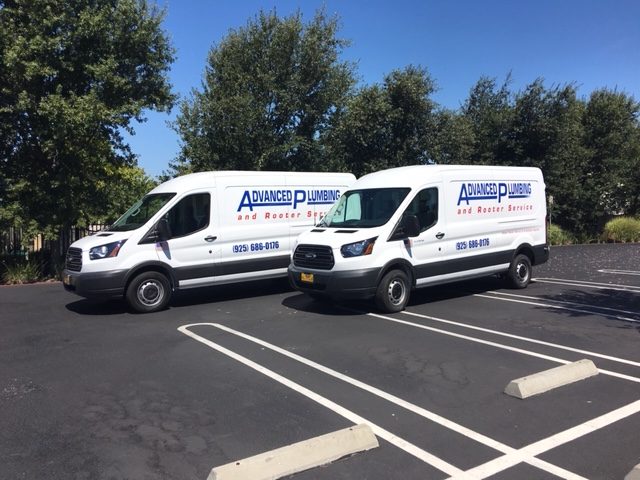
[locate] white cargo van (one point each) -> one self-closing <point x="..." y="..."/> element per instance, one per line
<point x="201" y="229"/>
<point x="411" y="227"/>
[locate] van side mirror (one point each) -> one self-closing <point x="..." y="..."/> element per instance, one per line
<point x="163" y="231"/>
<point x="409" y="226"/>
<point x="160" y="232"/>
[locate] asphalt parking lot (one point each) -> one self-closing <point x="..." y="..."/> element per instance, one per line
<point x="92" y="391"/>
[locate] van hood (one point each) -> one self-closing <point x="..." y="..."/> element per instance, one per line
<point x="337" y="237"/>
<point x="100" y="238"/>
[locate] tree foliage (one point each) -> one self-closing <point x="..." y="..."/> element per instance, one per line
<point x="388" y="125"/>
<point x="72" y="76"/>
<point x="488" y="112"/>
<point x="612" y="139"/>
<point x="271" y="90"/>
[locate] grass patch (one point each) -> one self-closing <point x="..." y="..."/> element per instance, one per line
<point x="622" y="229"/>
<point x="558" y="236"/>
<point x="21" y="271"/>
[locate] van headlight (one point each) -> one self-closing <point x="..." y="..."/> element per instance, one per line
<point x="357" y="249"/>
<point x="106" y="251"/>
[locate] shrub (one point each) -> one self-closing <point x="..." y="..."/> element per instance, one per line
<point x="22" y="271"/>
<point x="557" y="236"/>
<point x="622" y="229"/>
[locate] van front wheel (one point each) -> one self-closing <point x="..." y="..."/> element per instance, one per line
<point x="393" y="292"/>
<point x="519" y="274"/>
<point x="149" y="292"/>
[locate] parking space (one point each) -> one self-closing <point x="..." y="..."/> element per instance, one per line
<point x="92" y="391"/>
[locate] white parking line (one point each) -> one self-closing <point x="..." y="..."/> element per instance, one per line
<point x="581" y="283"/>
<point x="492" y="344"/>
<point x="325" y="402"/>
<point x="524" y="339"/>
<point x="619" y="272"/>
<point x="564" y="302"/>
<point x="502" y="463"/>
<point x="478" y="437"/>
<point x="559" y="307"/>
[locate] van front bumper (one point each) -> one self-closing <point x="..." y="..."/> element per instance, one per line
<point x="352" y="284"/>
<point x="95" y="284"/>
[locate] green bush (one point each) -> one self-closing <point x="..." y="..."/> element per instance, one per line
<point x="622" y="229"/>
<point x="558" y="236"/>
<point x="22" y="271"/>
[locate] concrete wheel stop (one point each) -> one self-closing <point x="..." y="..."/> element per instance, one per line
<point x="299" y="456"/>
<point x="549" y="379"/>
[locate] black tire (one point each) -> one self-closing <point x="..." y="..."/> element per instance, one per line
<point x="519" y="274"/>
<point x="393" y="292"/>
<point x="149" y="292"/>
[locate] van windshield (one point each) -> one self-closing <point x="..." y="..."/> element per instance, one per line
<point x="141" y="212"/>
<point x="365" y="208"/>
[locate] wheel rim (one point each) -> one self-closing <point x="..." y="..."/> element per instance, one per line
<point x="150" y="293"/>
<point x="396" y="292"/>
<point x="522" y="272"/>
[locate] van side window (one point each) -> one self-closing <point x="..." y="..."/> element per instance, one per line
<point x="189" y="215"/>
<point x="425" y="207"/>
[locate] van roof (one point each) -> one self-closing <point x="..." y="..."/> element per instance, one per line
<point x="415" y="175"/>
<point x="192" y="181"/>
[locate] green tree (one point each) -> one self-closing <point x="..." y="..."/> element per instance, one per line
<point x="388" y="125"/>
<point x="454" y="139"/>
<point x="73" y="75"/>
<point x="612" y="138"/>
<point x="122" y="185"/>
<point x="546" y="132"/>
<point x="488" y="111"/>
<point x="271" y="90"/>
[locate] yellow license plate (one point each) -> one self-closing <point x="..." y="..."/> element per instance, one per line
<point x="306" y="277"/>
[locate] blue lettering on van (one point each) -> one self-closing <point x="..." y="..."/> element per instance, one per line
<point x="472" y="191"/>
<point x="323" y="197"/>
<point x="264" y="198"/>
<point x="277" y="198"/>
<point x="299" y="196"/>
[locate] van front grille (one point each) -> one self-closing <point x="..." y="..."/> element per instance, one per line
<point x="73" y="261"/>
<point x="318" y="257"/>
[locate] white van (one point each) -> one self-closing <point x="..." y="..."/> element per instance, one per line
<point x="201" y="229"/>
<point x="411" y="227"/>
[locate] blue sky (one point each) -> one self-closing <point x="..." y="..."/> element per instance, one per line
<point x="591" y="43"/>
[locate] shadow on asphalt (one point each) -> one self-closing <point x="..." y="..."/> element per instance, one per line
<point x="628" y="301"/>
<point x="190" y="297"/>
<point x="600" y="303"/>
<point x="422" y="296"/>
<point x="326" y="306"/>
<point x="94" y="307"/>
<point x="450" y="291"/>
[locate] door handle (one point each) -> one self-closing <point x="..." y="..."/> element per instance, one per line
<point x="439" y="235"/>
<point x="210" y="238"/>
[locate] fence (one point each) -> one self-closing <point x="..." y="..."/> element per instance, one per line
<point x="14" y="243"/>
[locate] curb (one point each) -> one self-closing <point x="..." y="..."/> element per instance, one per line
<point x="299" y="456"/>
<point x="549" y="379"/>
<point x="634" y="474"/>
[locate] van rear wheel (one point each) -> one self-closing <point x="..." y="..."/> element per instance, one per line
<point x="149" y="292"/>
<point x="393" y="292"/>
<point x="519" y="274"/>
